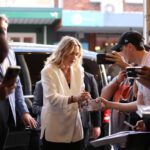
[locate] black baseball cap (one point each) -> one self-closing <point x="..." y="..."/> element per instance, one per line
<point x="133" y="37"/>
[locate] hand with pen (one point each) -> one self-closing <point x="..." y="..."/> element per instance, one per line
<point x="140" y="126"/>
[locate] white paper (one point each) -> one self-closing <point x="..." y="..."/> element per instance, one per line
<point x="90" y="105"/>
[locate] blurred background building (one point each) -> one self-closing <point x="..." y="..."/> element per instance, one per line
<point x="96" y="23"/>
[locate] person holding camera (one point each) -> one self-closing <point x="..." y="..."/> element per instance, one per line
<point x="118" y="90"/>
<point x="11" y="94"/>
<point x="144" y="75"/>
<point x="131" y="45"/>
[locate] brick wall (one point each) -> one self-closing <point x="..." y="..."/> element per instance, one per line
<point x="133" y="7"/>
<point x="87" y="5"/>
<point x="81" y="5"/>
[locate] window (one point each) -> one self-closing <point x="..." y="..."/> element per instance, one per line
<point x="134" y="1"/>
<point x="23" y="3"/>
<point x="22" y="37"/>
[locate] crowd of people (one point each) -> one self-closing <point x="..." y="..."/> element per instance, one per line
<point x="128" y="92"/>
<point x="64" y="86"/>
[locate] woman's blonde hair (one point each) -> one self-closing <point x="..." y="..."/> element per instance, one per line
<point x="65" y="47"/>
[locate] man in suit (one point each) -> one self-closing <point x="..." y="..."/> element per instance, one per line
<point x="11" y="95"/>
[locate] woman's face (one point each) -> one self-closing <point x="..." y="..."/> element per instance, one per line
<point x="72" y="57"/>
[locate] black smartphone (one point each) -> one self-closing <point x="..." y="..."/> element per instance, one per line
<point x="132" y="72"/>
<point x="101" y="59"/>
<point x="11" y="73"/>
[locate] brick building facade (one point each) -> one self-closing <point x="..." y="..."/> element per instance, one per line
<point x="88" y="5"/>
<point x="98" y="41"/>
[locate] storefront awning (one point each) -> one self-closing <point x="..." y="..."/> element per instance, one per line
<point x="31" y="15"/>
<point x="99" y="22"/>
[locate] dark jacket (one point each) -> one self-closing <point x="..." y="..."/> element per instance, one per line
<point x="91" y="118"/>
<point x="14" y="103"/>
<point x="38" y="100"/>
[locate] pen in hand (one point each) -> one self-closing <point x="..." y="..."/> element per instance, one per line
<point x="129" y="125"/>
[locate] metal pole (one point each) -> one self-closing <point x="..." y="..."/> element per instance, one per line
<point x="45" y="35"/>
<point x="146" y="23"/>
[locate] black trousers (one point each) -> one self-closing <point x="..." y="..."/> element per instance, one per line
<point x="86" y="138"/>
<point x="62" y="146"/>
<point x="6" y="122"/>
<point x="4" y="115"/>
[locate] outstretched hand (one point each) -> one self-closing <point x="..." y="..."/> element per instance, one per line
<point x="104" y="103"/>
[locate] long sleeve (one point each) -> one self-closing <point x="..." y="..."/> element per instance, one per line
<point x="38" y="98"/>
<point x="16" y="99"/>
<point x="21" y="106"/>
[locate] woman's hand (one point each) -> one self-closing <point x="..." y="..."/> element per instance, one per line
<point x="83" y="97"/>
<point x="104" y="103"/>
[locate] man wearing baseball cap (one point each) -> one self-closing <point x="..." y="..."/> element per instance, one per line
<point x="120" y="88"/>
<point x="131" y="47"/>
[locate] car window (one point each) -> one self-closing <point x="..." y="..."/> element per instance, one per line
<point x="31" y="58"/>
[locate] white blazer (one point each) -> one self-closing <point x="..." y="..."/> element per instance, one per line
<point x="61" y="121"/>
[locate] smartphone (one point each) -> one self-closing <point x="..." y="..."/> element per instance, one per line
<point x="11" y="73"/>
<point x="132" y="72"/>
<point x="101" y="59"/>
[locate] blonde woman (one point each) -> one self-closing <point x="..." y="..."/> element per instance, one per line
<point x="63" y="85"/>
